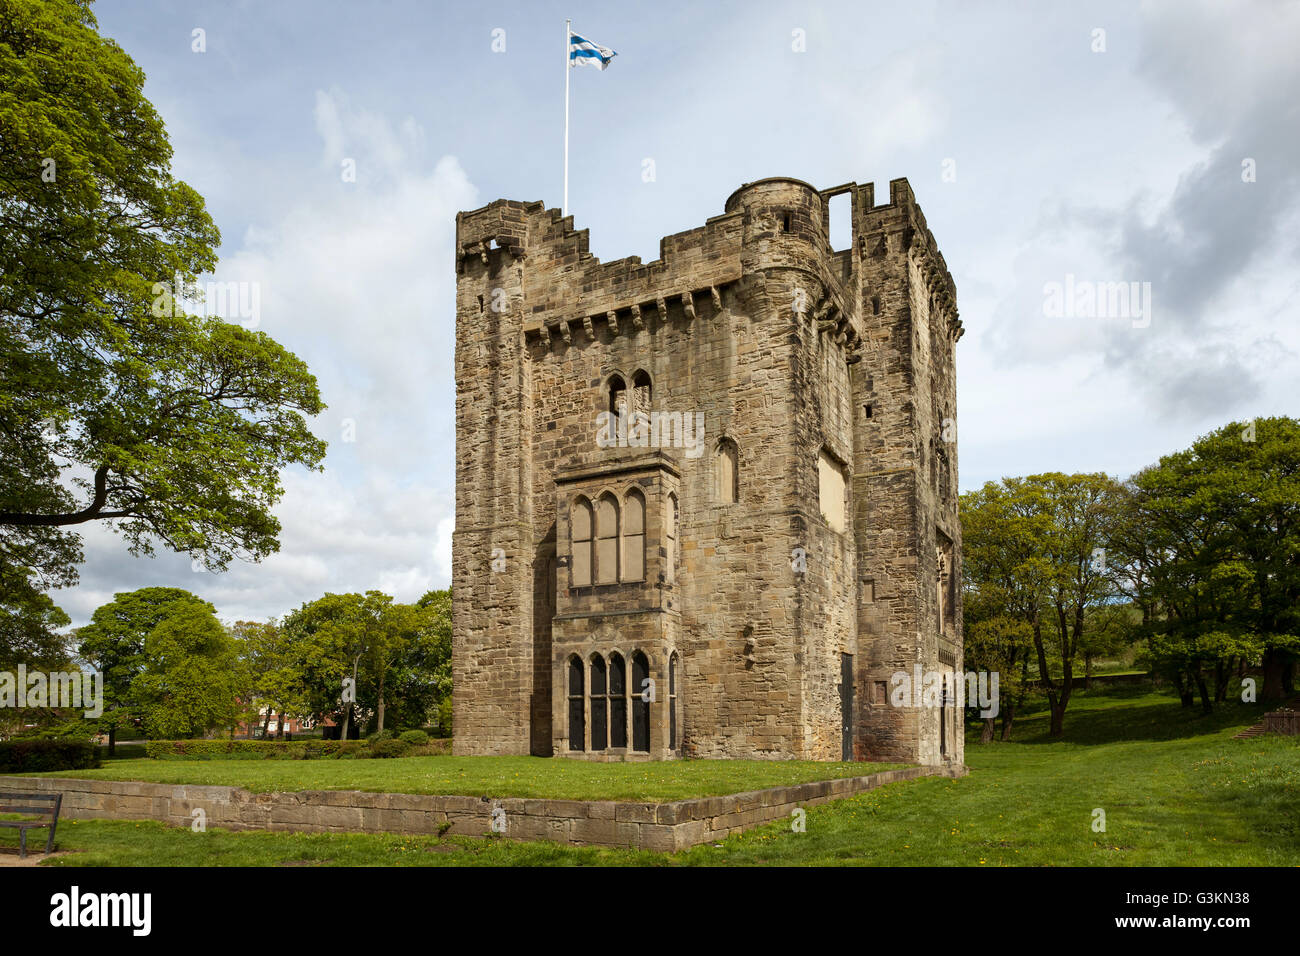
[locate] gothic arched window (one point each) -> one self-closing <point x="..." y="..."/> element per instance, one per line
<point x="606" y="539"/>
<point x="617" y="394"/>
<point x="670" y="532"/>
<point x="727" y="472"/>
<point x="672" y="701"/>
<point x="581" y="525"/>
<point x="599" y="707"/>
<point x="617" y="701"/>
<point x="577" y="705"/>
<point x="634" y="536"/>
<point x="640" y="702"/>
<point x="641" y="392"/>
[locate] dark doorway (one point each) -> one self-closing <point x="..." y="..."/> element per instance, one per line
<point x="846" y="706"/>
<point x="640" y="703"/>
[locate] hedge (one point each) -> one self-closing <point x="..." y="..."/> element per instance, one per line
<point x="254" y="749"/>
<point x="38" y="755"/>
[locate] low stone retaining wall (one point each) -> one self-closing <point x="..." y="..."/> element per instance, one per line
<point x="647" y="826"/>
<point x="1282" y="722"/>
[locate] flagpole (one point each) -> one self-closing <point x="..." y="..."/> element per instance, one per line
<point x="568" y="32"/>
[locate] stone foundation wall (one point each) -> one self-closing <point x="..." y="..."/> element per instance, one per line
<point x="646" y="826"/>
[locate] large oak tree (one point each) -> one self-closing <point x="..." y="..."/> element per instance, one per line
<point x="171" y="427"/>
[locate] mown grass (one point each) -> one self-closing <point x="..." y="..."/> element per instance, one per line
<point x="1175" y="787"/>
<point x="658" y="781"/>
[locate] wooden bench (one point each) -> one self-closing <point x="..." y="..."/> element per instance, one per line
<point x="45" y="804"/>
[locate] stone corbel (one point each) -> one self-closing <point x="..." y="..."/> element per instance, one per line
<point x="564" y="331"/>
<point x="662" y="306"/>
<point x="688" y="303"/>
<point x="586" y="327"/>
<point x="717" y="298"/>
<point x="546" y="334"/>
<point x="483" y="251"/>
<point x="611" y="319"/>
<point x="637" y="322"/>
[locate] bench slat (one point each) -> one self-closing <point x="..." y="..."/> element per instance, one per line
<point x="44" y="811"/>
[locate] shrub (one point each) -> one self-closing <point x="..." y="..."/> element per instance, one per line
<point x="444" y="717"/>
<point x="416" y="738"/>
<point x="390" y="748"/>
<point x="381" y="735"/>
<point x="41" y="755"/>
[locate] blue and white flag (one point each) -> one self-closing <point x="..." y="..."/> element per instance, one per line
<point x="583" y="52"/>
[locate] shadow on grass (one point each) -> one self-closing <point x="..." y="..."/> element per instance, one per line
<point x="1096" y="717"/>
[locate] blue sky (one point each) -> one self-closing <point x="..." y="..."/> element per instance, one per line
<point x="1122" y="164"/>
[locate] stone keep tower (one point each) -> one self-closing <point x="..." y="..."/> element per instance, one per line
<point x="707" y="505"/>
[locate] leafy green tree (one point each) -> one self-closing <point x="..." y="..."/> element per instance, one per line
<point x="1041" y="542"/>
<point x="115" y="403"/>
<point x="30" y="634"/>
<point x="192" y="675"/>
<point x="1214" y="557"/>
<point x="997" y="640"/>
<point x="275" y="678"/>
<point x="318" y="654"/>
<point x="398" y="655"/>
<point x="114" y="644"/>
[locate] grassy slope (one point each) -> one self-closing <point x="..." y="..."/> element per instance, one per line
<point x="1177" y="790"/>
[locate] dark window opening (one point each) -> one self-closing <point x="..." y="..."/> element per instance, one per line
<point x="617" y="395"/>
<point x="599" y="708"/>
<point x="640" y="703"/>
<point x="617" y="701"/>
<point x="672" y="702"/>
<point x="577" y="723"/>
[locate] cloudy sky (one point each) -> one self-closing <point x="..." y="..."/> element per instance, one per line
<point x="1107" y="142"/>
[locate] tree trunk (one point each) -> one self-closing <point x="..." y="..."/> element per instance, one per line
<point x="1008" y="718"/>
<point x="1288" y="678"/>
<point x="986" y="732"/>
<point x="1207" y="706"/>
<point x="1220" y="681"/>
<point x="266" y="722"/>
<point x="1087" y="672"/>
<point x="112" y="739"/>
<point x="1184" y="692"/>
<point x="381" y="703"/>
<point x="1273" y="667"/>
<point x="1058" y="717"/>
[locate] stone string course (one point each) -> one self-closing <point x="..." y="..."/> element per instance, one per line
<point x="646" y="826"/>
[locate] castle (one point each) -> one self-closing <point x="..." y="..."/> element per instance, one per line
<point x="706" y="506"/>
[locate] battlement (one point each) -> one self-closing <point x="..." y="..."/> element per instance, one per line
<point x="776" y="222"/>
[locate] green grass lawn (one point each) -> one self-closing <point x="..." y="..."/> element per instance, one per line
<point x="657" y="781"/>
<point x="1175" y="786"/>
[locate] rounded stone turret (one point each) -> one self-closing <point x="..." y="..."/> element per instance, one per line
<point x="784" y="224"/>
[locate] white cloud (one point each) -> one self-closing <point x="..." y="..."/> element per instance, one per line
<point x="357" y="279"/>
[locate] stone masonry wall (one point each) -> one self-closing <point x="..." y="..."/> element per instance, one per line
<point x="647" y="826"/>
